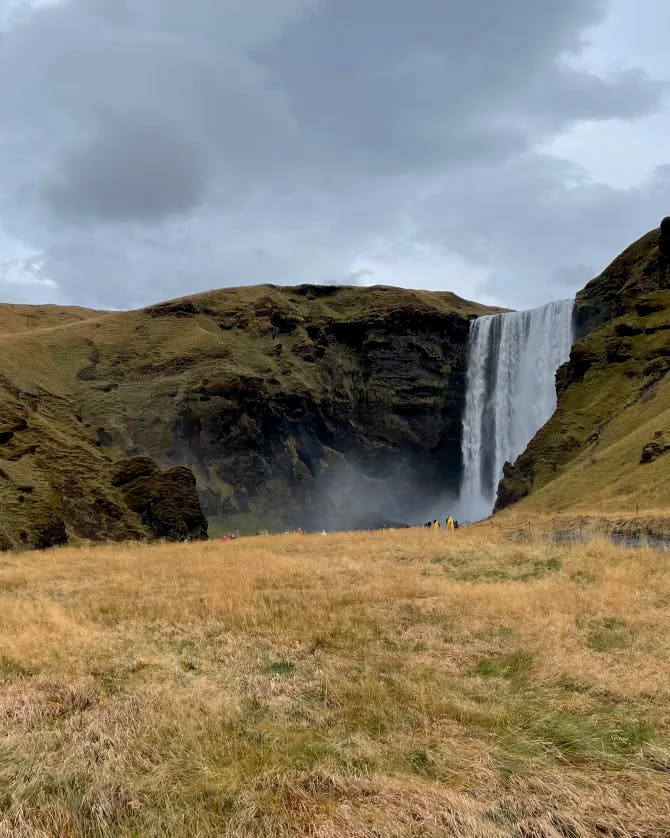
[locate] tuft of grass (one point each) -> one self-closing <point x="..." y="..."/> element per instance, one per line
<point x="582" y="578"/>
<point x="281" y="667"/>
<point x="608" y="634"/>
<point x="10" y="668"/>
<point x="565" y="682"/>
<point x="514" y="666"/>
<point x="419" y="762"/>
<point x="605" y="738"/>
<point x="120" y="678"/>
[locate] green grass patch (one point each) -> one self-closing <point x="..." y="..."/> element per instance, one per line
<point x="120" y="679"/>
<point x="418" y="761"/>
<point x="10" y="668"/>
<point x="280" y="667"/>
<point x="608" y="634"/>
<point x="184" y="645"/>
<point x="574" y="685"/>
<point x="472" y="567"/>
<point x="582" y="578"/>
<point x="514" y="666"/>
<point x="608" y="737"/>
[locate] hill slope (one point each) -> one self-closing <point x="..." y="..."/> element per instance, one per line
<point x="289" y="405"/>
<point x="607" y="447"/>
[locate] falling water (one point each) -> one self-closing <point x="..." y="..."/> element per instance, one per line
<point x="510" y="394"/>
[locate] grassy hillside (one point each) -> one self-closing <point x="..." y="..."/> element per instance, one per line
<point x="21" y="318"/>
<point x="288" y="404"/>
<point x="396" y="684"/>
<point x="606" y="450"/>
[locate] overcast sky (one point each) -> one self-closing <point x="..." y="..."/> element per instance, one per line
<point x="503" y="149"/>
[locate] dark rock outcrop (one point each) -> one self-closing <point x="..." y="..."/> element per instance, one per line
<point x="515" y="484"/>
<point x="664" y="239"/>
<point x="166" y="501"/>
<point x="655" y="448"/>
<point x="630" y="283"/>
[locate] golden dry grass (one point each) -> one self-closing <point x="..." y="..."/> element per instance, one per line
<point x="385" y="684"/>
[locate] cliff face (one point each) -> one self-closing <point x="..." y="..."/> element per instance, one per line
<point x="308" y="406"/>
<point x="613" y="395"/>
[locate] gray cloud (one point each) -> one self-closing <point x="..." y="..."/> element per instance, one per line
<point x="165" y="147"/>
<point x="541" y="228"/>
<point x="133" y="170"/>
<point x="416" y="89"/>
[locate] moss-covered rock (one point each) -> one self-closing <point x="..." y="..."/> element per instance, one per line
<point x="166" y="501"/>
<point x="57" y="487"/>
<point x="630" y="285"/>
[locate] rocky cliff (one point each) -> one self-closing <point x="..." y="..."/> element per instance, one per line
<point x="55" y="485"/>
<point x="605" y="446"/>
<point x="307" y="406"/>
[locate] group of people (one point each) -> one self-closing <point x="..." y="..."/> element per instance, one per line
<point x="450" y="524"/>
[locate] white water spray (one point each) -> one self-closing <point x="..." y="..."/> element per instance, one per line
<point x="510" y="393"/>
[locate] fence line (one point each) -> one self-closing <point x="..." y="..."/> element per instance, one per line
<point x="579" y="529"/>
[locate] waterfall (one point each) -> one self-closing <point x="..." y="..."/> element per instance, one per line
<point x="510" y="392"/>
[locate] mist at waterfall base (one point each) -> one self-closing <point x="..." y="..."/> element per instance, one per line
<point x="350" y="495"/>
<point x="510" y="393"/>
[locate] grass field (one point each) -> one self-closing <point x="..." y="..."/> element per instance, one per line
<point x="389" y="684"/>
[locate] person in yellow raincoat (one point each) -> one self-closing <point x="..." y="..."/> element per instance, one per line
<point x="436" y="524"/>
<point x="450" y="524"/>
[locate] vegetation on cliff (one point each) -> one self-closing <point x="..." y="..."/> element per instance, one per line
<point x="606" y="447"/>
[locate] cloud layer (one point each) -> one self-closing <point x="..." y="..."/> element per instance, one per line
<point x="158" y="148"/>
